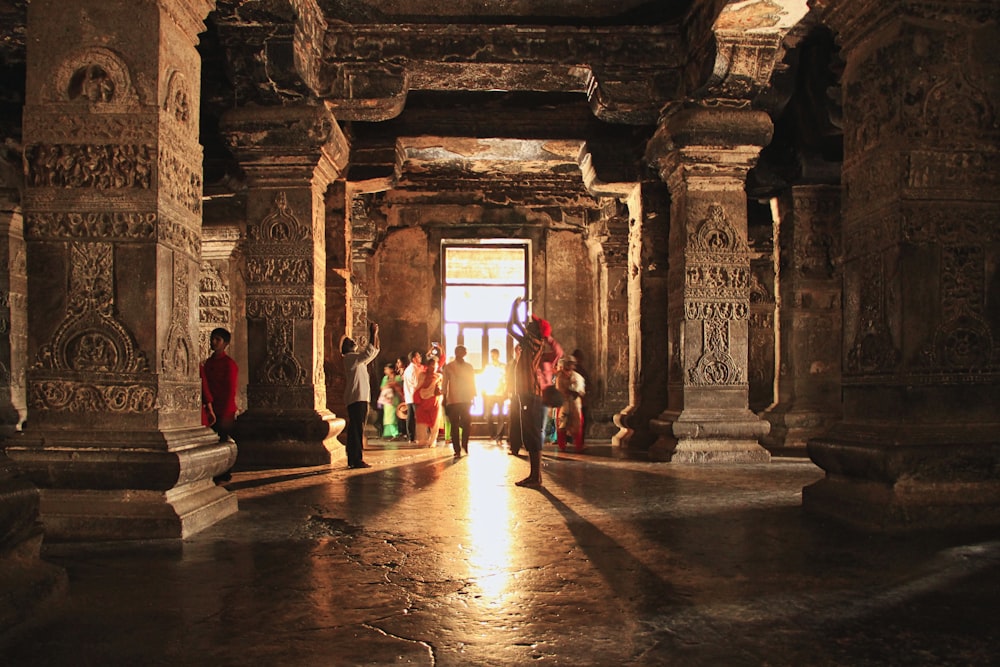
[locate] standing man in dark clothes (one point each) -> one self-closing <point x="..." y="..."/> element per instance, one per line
<point x="358" y="392"/>
<point x="459" y="389"/>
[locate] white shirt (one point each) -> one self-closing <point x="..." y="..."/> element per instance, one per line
<point x="358" y="386"/>
<point x="411" y="380"/>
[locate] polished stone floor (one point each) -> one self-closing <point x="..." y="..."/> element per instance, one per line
<point x="424" y="559"/>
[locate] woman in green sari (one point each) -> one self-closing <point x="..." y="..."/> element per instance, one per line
<point x="388" y="401"/>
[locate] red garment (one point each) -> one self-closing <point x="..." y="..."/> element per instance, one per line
<point x="219" y="376"/>
<point x="429" y="405"/>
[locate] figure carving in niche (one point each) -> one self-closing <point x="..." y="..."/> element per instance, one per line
<point x="93" y="83"/>
<point x="92" y="351"/>
<point x="280" y="224"/>
<point x="715" y="234"/>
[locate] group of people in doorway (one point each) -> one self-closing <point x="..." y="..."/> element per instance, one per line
<point x="541" y="388"/>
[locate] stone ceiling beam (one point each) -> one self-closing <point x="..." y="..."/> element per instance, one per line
<point x="364" y="72"/>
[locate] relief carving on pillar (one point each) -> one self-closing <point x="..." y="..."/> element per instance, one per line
<point x="176" y="104"/>
<point x="280" y="307"/>
<point x="716" y="366"/>
<point x="280" y="248"/>
<point x="942" y="99"/>
<point x="177" y="357"/>
<point x="8" y="332"/>
<point x="96" y="76"/>
<point x="279" y="271"/>
<point x="179" y="180"/>
<point x="214" y="303"/>
<point x="716" y="293"/>
<point x="103" y="166"/>
<point x="90" y="341"/>
<point x="963" y="340"/>
<point x="816" y="245"/>
<point x="872" y="350"/>
<point x="280" y="225"/>
<point x="281" y="367"/>
<point x="179" y="236"/>
<point x="105" y="225"/>
<point x="59" y="127"/>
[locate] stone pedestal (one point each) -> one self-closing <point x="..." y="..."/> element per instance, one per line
<point x="918" y="445"/>
<point x="809" y="285"/>
<point x="290" y="155"/>
<point x="703" y="155"/>
<point x="112" y="208"/>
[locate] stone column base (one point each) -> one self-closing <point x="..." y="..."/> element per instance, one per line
<point x="709" y="437"/>
<point x="126" y="486"/>
<point x="905" y="487"/>
<point x="86" y="515"/>
<point x="792" y="429"/>
<point x="298" y="440"/>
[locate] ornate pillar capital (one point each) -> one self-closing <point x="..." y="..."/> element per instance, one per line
<point x="280" y="146"/>
<point x="716" y="140"/>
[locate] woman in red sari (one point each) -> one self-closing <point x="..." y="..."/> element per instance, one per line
<point x="428" y="400"/>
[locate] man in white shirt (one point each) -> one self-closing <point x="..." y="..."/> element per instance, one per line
<point x="358" y="392"/>
<point x="412" y="377"/>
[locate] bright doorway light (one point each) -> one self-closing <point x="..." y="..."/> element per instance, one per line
<point x="481" y="279"/>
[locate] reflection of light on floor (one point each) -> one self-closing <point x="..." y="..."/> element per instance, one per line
<point x="490" y="522"/>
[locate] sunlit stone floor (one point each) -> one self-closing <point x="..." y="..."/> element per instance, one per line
<point x="428" y="560"/>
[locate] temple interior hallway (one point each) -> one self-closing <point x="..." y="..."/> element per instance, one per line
<point x="428" y="560"/>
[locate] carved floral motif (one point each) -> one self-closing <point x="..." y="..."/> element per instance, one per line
<point x="80" y="397"/>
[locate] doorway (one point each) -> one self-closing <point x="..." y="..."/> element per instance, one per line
<point x="480" y="279"/>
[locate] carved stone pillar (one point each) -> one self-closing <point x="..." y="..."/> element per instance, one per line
<point x="338" y="295"/>
<point x="703" y="155"/>
<point x="647" y="298"/>
<point x="809" y="286"/>
<point x="13" y="319"/>
<point x="362" y="249"/>
<point x="609" y="371"/>
<point x="918" y="445"/>
<point x="761" y="324"/>
<point x="290" y="155"/>
<point x="112" y="210"/>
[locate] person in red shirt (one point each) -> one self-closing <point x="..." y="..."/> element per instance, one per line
<point x="219" y="374"/>
<point x="532" y="381"/>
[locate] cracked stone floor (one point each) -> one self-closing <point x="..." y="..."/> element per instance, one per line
<point x="424" y="559"/>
